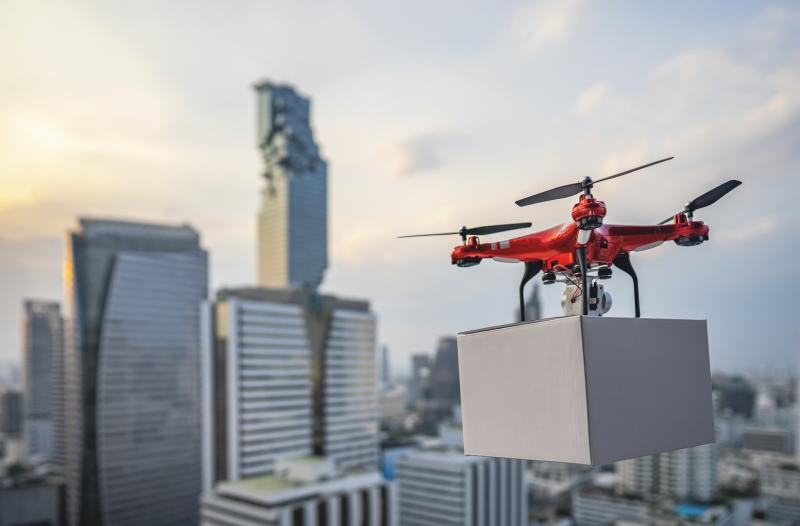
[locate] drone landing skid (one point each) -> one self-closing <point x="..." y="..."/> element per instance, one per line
<point x="531" y="269"/>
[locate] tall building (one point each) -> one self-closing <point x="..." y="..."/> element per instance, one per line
<point x="386" y="374"/>
<point x="306" y="491"/>
<point x="42" y="360"/>
<point x="287" y="372"/>
<point x="690" y="474"/>
<point x="445" y="390"/>
<point x="10" y="413"/>
<point x="447" y="487"/>
<point x="293" y="220"/>
<point x="132" y="373"/>
<point x="418" y="389"/>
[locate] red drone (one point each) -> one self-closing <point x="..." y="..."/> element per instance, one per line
<point x="581" y="252"/>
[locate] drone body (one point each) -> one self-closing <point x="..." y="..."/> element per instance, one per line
<point x="584" y="246"/>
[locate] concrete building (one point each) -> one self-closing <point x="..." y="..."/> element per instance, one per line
<point x="10" y="413"/>
<point x="690" y="474"/>
<point x="287" y="373"/>
<point x="779" y="485"/>
<point x="132" y="373"/>
<point x="305" y="491"/>
<point x="596" y="506"/>
<point x="445" y="487"/>
<point x="684" y="475"/>
<point x="43" y="389"/>
<point x="293" y="220"/>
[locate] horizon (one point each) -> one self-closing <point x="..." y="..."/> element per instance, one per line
<point x="416" y="118"/>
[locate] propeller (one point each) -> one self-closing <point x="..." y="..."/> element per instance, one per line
<point x="707" y="199"/>
<point x="477" y="231"/>
<point x="568" y="190"/>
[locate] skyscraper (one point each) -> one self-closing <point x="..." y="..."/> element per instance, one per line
<point x="287" y="373"/>
<point x="132" y="373"/>
<point x="293" y="220"/>
<point x="43" y="395"/>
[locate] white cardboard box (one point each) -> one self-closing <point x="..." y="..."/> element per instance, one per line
<point x="586" y="390"/>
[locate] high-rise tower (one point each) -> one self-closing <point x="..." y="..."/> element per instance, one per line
<point x="132" y="373"/>
<point x="43" y="376"/>
<point x="293" y="220"/>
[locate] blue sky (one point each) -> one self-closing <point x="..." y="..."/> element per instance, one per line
<point x="431" y="115"/>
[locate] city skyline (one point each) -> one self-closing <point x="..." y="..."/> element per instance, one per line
<point x="476" y="104"/>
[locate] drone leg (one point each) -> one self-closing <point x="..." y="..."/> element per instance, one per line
<point x="531" y="269"/>
<point x="623" y="262"/>
<point x="584" y="281"/>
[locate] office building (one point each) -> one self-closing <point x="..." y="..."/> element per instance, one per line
<point x="132" y="373"/>
<point x="293" y="219"/>
<point x="10" y="413"/>
<point x="305" y="491"/>
<point x="43" y="397"/>
<point x="442" y="486"/>
<point x="287" y="372"/>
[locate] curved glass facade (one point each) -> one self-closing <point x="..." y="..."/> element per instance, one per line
<point x="132" y="374"/>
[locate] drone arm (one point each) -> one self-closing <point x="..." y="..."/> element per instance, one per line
<point x="623" y="262"/>
<point x="531" y="269"/>
<point x="638" y="236"/>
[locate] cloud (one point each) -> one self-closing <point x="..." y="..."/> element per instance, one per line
<point x="424" y="153"/>
<point x="591" y="98"/>
<point x="544" y="22"/>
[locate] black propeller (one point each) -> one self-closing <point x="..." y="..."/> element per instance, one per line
<point x="477" y="231"/>
<point x="707" y="199"/>
<point x="568" y="190"/>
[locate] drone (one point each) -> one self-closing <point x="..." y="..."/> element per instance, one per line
<point x="582" y="252"/>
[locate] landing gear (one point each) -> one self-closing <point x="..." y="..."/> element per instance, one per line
<point x="623" y="262"/>
<point x="531" y="269"/>
<point x="581" y="253"/>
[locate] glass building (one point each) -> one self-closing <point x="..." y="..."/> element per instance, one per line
<point x="293" y="219"/>
<point x="132" y="373"/>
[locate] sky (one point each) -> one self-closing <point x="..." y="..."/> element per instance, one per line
<point x="431" y="115"/>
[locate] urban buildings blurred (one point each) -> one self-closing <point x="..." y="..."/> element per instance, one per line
<point x="149" y="401"/>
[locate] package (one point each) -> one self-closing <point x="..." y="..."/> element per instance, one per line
<point x="586" y="390"/>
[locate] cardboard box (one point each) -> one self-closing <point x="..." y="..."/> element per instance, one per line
<point x="586" y="390"/>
